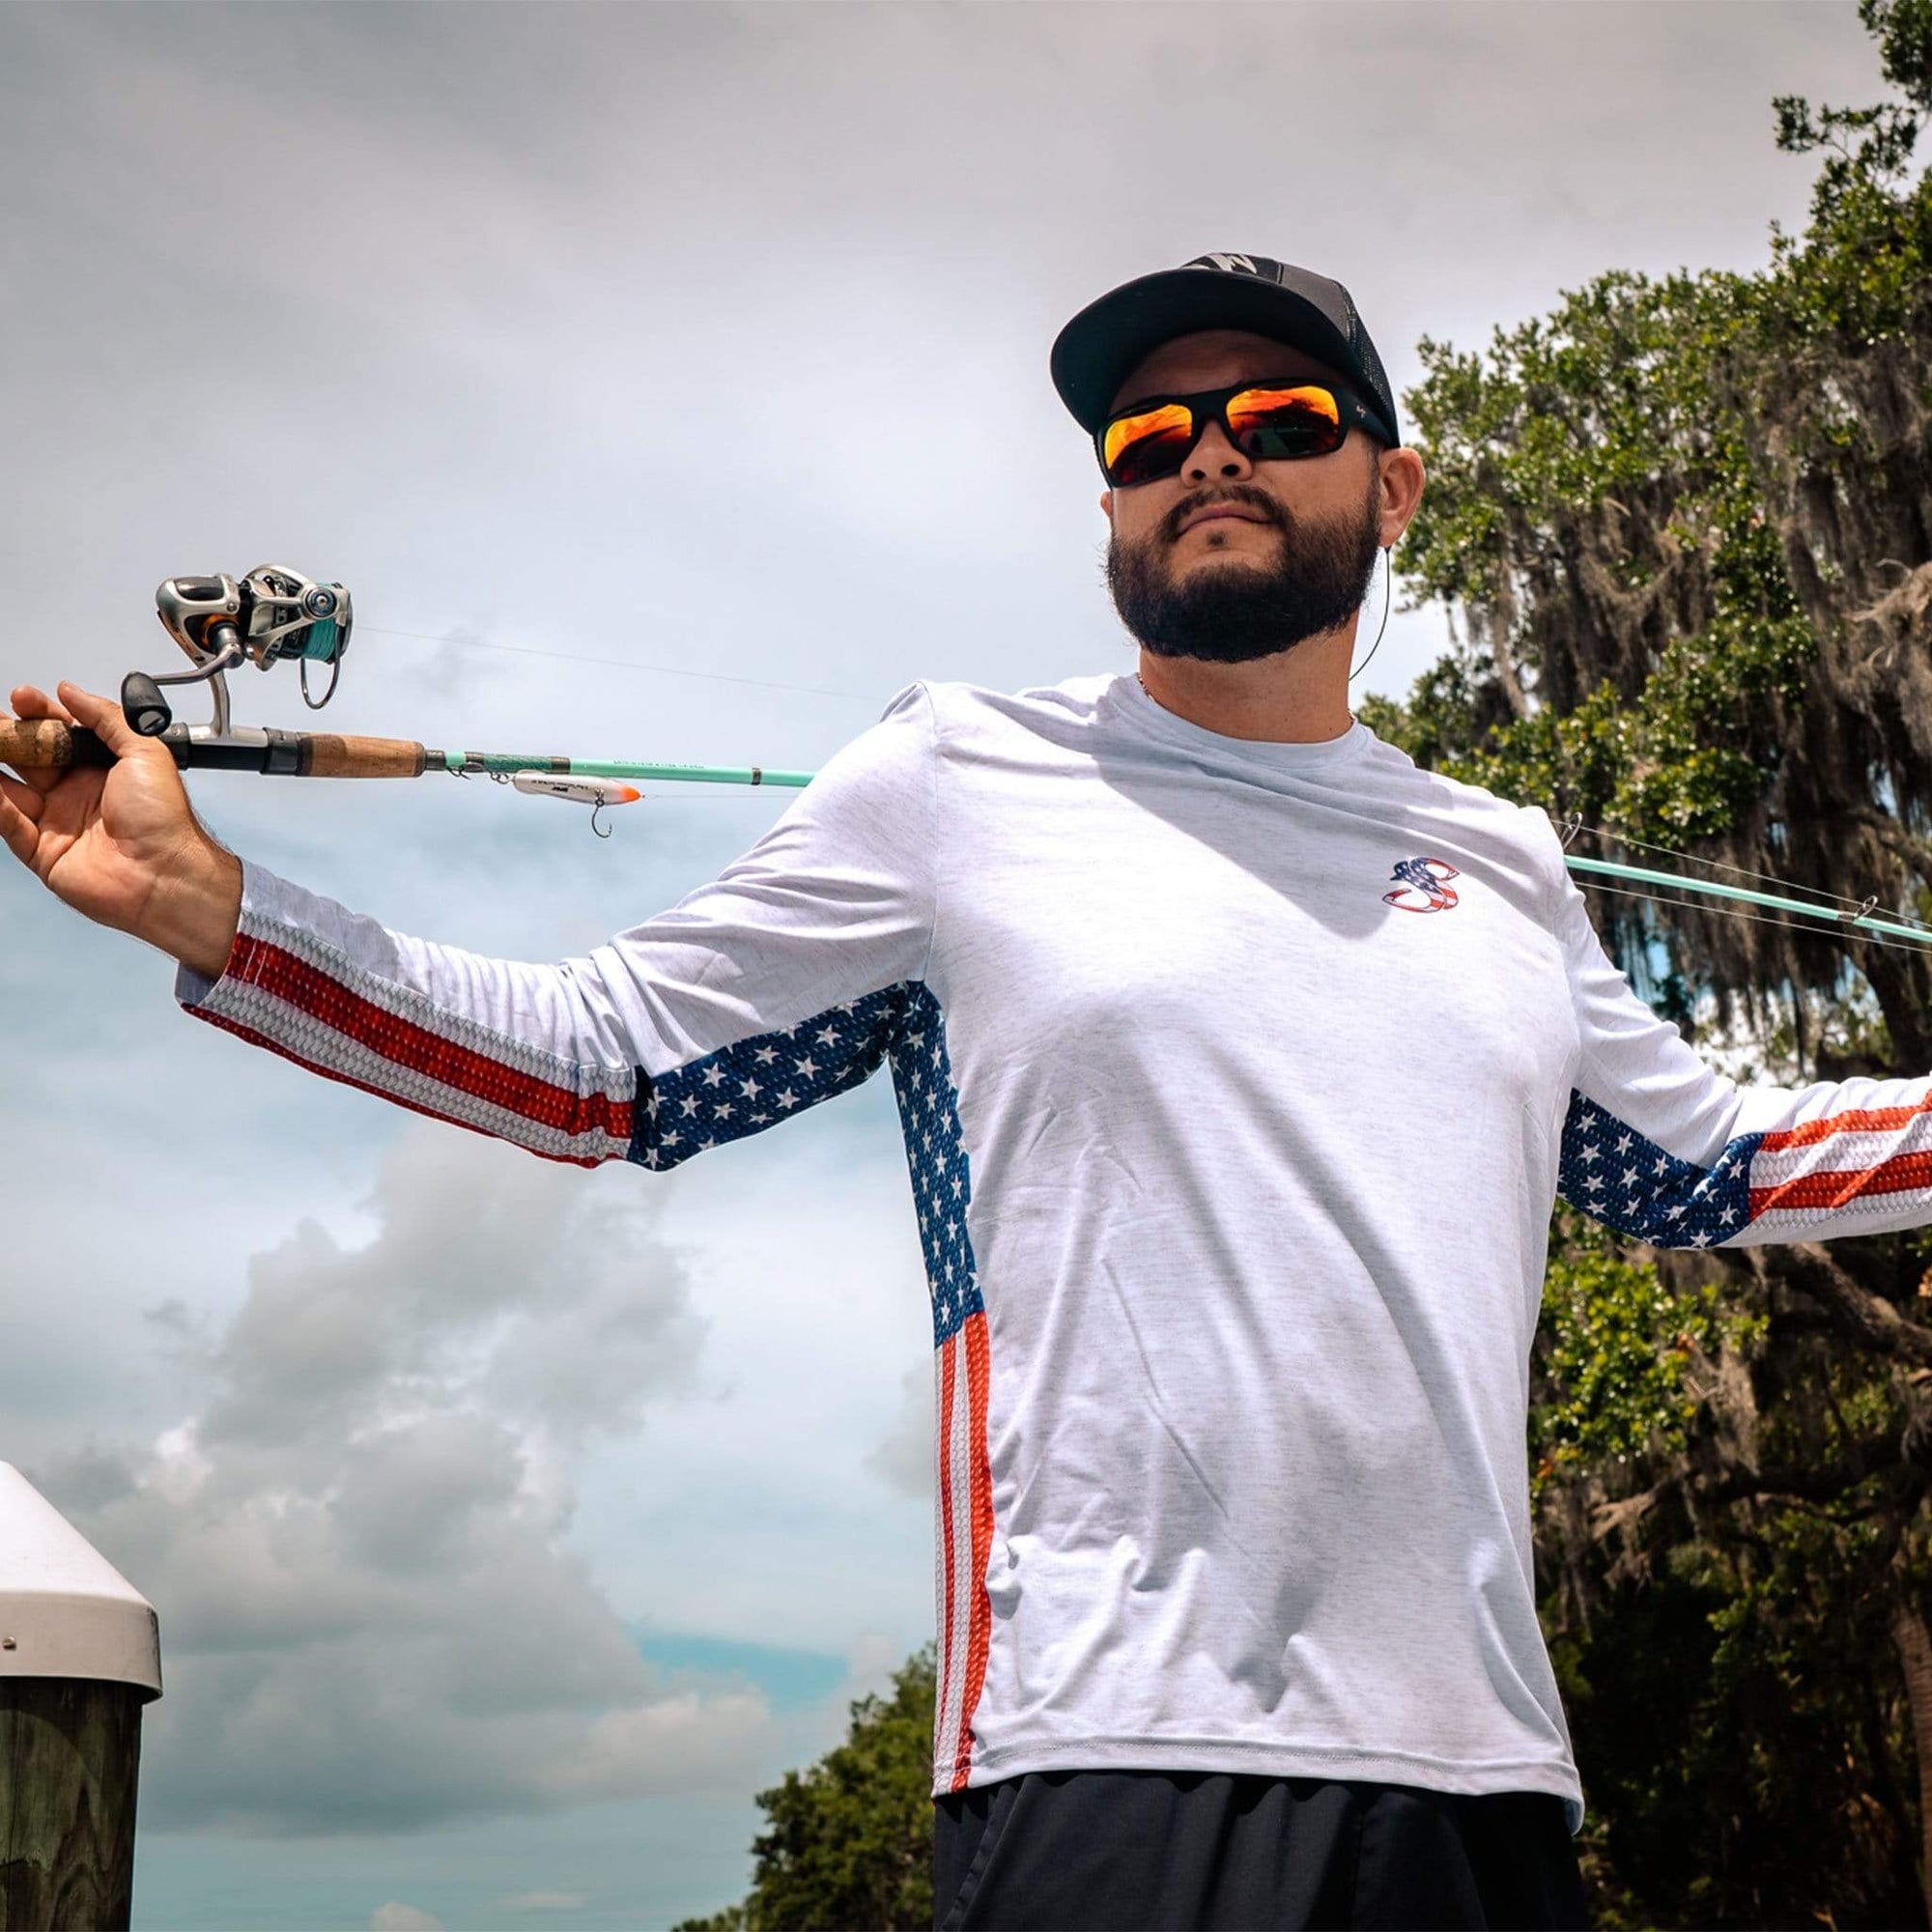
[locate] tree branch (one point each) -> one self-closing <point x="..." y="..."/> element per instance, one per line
<point x="1805" y="1482"/>
<point x="1893" y="837"/>
<point x="1868" y="1319"/>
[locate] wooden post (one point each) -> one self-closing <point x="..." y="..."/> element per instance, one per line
<point x="79" y="1654"/>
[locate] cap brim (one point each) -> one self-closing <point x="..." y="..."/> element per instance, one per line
<point x="1100" y="348"/>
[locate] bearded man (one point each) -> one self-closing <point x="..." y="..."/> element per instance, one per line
<point x="1239" y="1063"/>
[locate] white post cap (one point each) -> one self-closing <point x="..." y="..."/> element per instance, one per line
<point x="65" y="1611"/>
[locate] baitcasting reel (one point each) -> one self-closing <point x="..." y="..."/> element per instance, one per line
<point x="271" y="616"/>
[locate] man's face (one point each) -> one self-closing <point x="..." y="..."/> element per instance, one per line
<point x="1233" y="558"/>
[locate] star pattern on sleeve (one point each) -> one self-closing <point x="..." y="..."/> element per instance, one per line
<point x="750" y="1086"/>
<point x="746" y="1087"/>
<point x="1632" y="1184"/>
<point x="936" y="1156"/>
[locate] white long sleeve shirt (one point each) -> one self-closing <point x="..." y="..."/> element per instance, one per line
<point x="1237" y="1081"/>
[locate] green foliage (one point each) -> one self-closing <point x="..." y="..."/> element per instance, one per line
<point x="1740" y="1754"/>
<point x="1866" y="146"/>
<point x="1592" y="509"/>
<point x="1597" y="506"/>
<point x="1858" y="277"/>
<point x="733" y="1919"/>
<point x="847" y="1844"/>
<point x="1613" y="1349"/>
<point x="1740" y="1723"/>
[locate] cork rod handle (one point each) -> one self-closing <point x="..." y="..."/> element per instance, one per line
<point x="45" y="741"/>
<point x="333" y="757"/>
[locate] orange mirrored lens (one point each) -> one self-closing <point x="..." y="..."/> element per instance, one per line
<point x="1269" y="424"/>
<point x="1150" y="444"/>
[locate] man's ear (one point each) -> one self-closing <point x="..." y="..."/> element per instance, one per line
<point x="1401" y="479"/>
<point x="1107" y="504"/>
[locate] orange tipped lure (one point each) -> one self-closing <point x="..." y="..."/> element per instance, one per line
<point x="579" y="791"/>
<point x="595" y="792"/>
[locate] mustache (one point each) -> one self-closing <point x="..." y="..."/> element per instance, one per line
<point x="1247" y="494"/>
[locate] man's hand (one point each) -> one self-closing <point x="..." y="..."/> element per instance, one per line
<point x="122" y="845"/>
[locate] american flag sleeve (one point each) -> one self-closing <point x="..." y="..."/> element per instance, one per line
<point x="1658" y="1146"/>
<point x="780" y="984"/>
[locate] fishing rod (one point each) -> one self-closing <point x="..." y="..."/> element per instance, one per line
<point x="274" y="615"/>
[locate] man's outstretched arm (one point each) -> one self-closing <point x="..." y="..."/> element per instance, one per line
<point x="1660" y="1145"/>
<point x="780" y="984"/>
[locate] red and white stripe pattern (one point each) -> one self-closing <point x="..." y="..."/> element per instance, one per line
<point x="288" y="991"/>
<point x="1860" y="1158"/>
<point x="942" y="1193"/>
<point x="1811" y="1180"/>
<point x="963" y="1545"/>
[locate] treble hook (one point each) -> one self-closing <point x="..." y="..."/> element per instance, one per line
<point x="602" y="831"/>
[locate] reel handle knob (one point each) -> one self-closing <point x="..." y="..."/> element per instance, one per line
<point x="146" y="709"/>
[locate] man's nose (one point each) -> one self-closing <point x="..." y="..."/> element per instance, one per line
<point x="1215" y="456"/>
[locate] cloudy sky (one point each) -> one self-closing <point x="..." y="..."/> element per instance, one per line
<point x="667" y="382"/>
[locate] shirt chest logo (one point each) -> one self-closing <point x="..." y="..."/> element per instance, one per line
<point x="1422" y="885"/>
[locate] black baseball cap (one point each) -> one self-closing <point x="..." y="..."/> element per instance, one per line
<point x="1100" y="349"/>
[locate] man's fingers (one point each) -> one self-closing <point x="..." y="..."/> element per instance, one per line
<point x="17" y="831"/>
<point x="29" y="701"/>
<point x="23" y="798"/>
<point x="103" y="718"/>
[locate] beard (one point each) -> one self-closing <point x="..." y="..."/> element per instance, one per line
<point x="1234" y="612"/>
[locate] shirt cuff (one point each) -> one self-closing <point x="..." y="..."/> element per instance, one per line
<point x="265" y="897"/>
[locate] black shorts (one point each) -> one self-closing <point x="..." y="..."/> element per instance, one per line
<point x="1122" y="1851"/>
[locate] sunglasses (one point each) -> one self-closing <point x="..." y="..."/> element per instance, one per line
<point x="1268" y="422"/>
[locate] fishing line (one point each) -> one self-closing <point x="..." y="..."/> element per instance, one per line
<point x="1387" y="586"/>
<point x="620" y="663"/>
<point x="1742" y="871"/>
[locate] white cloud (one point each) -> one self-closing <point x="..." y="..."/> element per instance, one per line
<point x="546" y="1901"/>
<point x="357" y="1541"/>
<point x="397" y="1917"/>
<point x="902" y="1458"/>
